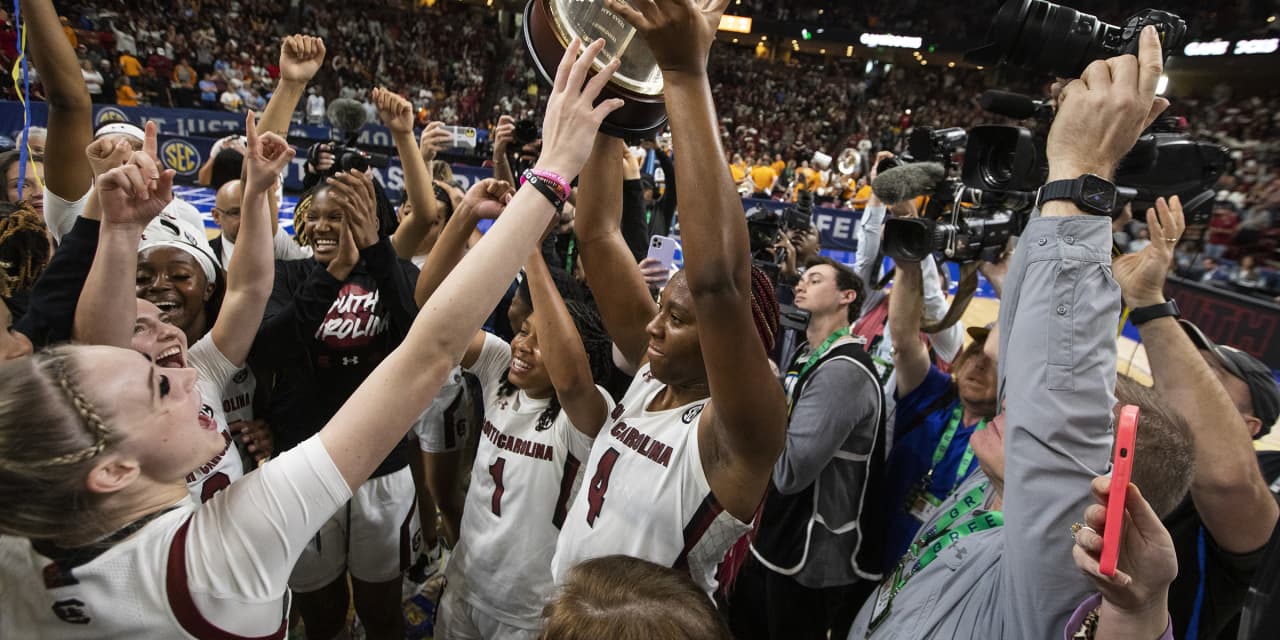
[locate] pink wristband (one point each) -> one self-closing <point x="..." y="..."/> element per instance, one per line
<point x="565" y="187"/>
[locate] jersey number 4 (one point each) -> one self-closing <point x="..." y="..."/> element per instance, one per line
<point x="599" y="485"/>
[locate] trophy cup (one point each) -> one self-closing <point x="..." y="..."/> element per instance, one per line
<point x="549" y="27"/>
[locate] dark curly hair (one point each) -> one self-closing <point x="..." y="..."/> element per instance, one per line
<point x="25" y="248"/>
<point x="586" y="318"/>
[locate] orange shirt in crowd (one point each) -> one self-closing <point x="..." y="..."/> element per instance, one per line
<point x="126" y="96"/>
<point x="779" y="167"/>
<point x="130" y="65"/>
<point x="739" y="174"/>
<point x="813" y="180"/>
<point x="762" y="177"/>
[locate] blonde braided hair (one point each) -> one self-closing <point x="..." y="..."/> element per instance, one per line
<point x="87" y="412"/>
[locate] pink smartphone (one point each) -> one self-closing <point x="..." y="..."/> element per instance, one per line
<point x="1121" y="470"/>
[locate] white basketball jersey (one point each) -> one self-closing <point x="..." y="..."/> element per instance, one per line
<point x="645" y="493"/>
<point x="214" y="372"/>
<point x="136" y="589"/>
<point x="521" y="485"/>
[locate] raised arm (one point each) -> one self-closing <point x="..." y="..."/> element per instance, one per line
<point x="70" y="111"/>
<point x="626" y="306"/>
<point x="906" y="305"/>
<point x="563" y="352"/>
<point x="503" y="135"/>
<point x="397" y="114"/>
<point x="380" y="411"/>
<point x="1058" y="348"/>
<point x="1228" y="489"/>
<point x="250" y="273"/>
<point x="300" y="58"/>
<point x="131" y="196"/>
<point x="748" y="417"/>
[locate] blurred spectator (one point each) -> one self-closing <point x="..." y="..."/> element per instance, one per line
<point x="93" y="80"/>
<point x="125" y="95"/>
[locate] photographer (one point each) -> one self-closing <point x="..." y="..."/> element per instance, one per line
<point x="969" y="576"/>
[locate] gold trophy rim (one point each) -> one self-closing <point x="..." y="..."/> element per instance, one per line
<point x="623" y="82"/>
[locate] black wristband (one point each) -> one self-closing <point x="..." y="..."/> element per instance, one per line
<point x="549" y="192"/>
<point x="1143" y="315"/>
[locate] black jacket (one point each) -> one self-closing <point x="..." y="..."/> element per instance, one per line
<point x="321" y="337"/>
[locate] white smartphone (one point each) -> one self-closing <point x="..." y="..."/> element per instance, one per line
<point x="463" y="137"/>
<point x="663" y="249"/>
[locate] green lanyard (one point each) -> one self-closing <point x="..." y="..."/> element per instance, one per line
<point x="822" y="350"/>
<point x="812" y="361"/>
<point x="925" y="550"/>
<point x="945" y="532"/>
<point x="569" y="256"/>
<point x="944" y="443"/>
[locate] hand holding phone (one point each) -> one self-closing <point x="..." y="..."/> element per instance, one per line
<point x="663" y="249"/>
<point x="1121" y="471"/>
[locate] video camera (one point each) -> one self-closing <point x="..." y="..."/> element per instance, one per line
<point x="345" y="158"/>
<point x="965" y="218"/>
<point x="971" y="217"/>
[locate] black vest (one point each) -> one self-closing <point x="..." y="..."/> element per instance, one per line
<point x="783" y="534"/>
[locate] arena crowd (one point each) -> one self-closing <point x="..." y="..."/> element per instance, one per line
<point x="548" y="429"/>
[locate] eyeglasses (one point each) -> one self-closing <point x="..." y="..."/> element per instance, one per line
<point x="232" y="213"/>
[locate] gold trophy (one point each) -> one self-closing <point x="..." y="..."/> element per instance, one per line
<point x="549" y="27"/>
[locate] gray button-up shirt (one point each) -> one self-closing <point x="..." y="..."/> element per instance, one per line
<point x="1058" y="323"/>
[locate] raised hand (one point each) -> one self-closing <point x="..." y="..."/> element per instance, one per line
<point x="679" y="32"/>
<point x="300" y="58"/>
<point x="394" y="111"/>
<point x="107" y="153"/>
<point x="1141" y="275"/>
<point x="1148" y="562"/>
<point x="487" y="198"/>
<point x="435" y="139"/>
<point x="503" y="135"/>
<point x="359" y="205"/>
<point x="265" y="159"/>
<point x="572" y="119"/>
<point x="135" y="193"/>
<point x="1101" y="114"/>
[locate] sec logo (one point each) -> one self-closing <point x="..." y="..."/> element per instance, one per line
<point x="181" y="156"/>
<point x="109" y="114"/>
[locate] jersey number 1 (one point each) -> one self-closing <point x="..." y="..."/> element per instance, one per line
<point x="599" y="485"/>
<point x="495" y="471"/>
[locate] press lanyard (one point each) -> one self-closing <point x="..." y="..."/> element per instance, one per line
<point x="821" y="351"/>
<point x="940" y="452"/>
<point x="925" y="550"/>
<point x="811" y="362"/>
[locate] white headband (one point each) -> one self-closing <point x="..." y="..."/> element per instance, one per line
<point x="121" y="128"/>
<point x="165" y="231"/>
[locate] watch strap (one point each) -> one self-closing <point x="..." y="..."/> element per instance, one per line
<point x="1143" y="315"/>
<point x="1056" y="190"/>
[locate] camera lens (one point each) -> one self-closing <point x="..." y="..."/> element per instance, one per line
<point x="997" y="166"/>
<point x="909" y="239"/>
<point x="1047" y="37"/>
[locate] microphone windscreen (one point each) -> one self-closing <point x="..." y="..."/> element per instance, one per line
<point x="908" y="181"/>
<point x="1005" y="103"/>
<point x="347" y="115"/>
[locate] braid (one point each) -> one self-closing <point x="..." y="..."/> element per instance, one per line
<point x="764" y="307"/>
<point x="300" y="215"/>
<point x="88" y="413"/>
<point x="25" y="248"/>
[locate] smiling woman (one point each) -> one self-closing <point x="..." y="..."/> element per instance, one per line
<point x="177" y="273"/>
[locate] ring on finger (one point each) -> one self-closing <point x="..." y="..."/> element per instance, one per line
<point x="1077" y="527"/>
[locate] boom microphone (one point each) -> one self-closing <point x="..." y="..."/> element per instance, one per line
<point x="1012" y="105"/>
<point x="347" y="115"/>
<point x="908" y="181"/>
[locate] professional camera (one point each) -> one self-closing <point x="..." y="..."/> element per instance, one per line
<point x="961" y="223"/>
<point x="345" y="158"/>
<point x="963" y="219"/>
<point x="1049" y="38"/>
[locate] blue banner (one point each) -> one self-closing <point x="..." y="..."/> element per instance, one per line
<point x="190" y="122"/>
<point x="837" y="228"/>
